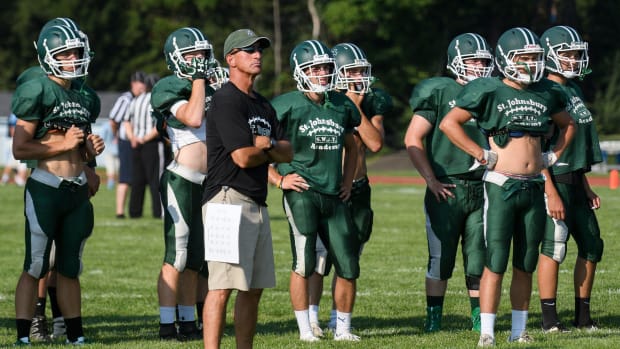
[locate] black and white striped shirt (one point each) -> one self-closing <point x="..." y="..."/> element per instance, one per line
<point x="117" y="114"/>
<point x="139" y="115"/>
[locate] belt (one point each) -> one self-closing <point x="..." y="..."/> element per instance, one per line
<point x="52" y="180"/>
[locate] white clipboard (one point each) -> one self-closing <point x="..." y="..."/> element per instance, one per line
<point x="221" y="229"/>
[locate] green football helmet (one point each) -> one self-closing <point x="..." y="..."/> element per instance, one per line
<point x="218" y="75"/>
<point x="183" y="41"/>
<point x="56" y="39"/>
<point x="510" y="46"/>
<point x="350" y="57"/>
<point x="469" y="46"/>
<point x="67" y="22"/>
<point x="304" y="59"/>
<point x="559" y="39"/>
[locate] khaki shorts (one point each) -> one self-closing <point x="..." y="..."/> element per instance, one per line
<point x="256" y="268"/>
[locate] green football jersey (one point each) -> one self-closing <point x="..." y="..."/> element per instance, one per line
<point x="43" y="100"/>
<point x="503" y="111"/>
<point x="316" y="133"/>
<point x="170" y="90"/>
<point x="432" y="99"/>
<point x="584" y="150"/>
<point x="376" y="102"/>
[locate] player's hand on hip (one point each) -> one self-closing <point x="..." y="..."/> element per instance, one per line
<point x="441" y="191"/>
<point x="293" y="181"/>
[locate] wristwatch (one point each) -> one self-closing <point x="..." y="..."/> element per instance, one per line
<point x="272" y="144"/>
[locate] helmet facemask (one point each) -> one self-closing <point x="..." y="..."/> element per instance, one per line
<point x="520" y="71"/>
<point x="355" y="77"/>
<point x="185" y="69"/>
<point x="305" y="82"/>
<point x="469" y="72"/>
<point x="569" y="67"/>
<point x="78" y="67"/>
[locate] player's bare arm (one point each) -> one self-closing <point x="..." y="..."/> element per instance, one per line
<point x="555" y="206"/>
<point x="348" y="170"/>
<point x="417" y="131"/>
<point x="452" y="126"/>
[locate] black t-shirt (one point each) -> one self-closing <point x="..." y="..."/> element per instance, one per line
<point x="232" y="120"/>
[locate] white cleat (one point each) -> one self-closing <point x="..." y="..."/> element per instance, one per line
<point x="524" y="337"/>
<point x="486" y="340"/>
<point x="346" y="336"/>
<point x="316" y="330"/>
<point x="308" y="337"/>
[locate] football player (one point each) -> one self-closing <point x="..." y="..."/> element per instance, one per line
<point x="354" y="78"/>
<point x="454" y="191"/>
<point x="514" y="111"/>
<point x="320" y="125"/>
<point x="570" y="200"/>
<point x="39" y="329"/>
<point x="181" y="99"/>
<point x="54" y="128"/>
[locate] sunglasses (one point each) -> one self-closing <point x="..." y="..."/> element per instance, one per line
<point x="251" y="49"/>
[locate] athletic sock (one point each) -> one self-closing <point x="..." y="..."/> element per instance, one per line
<point x="332" y="319"/>
<point x="434" y="301"/>
<point x="186" y="313"/>
<point x="303" y="321"/>
<point x="23" y="328"/>
<point x="343" y="322"/>
<point x="51" y="291"/>
<point x="166" y="315"/>
<point x="39" y="310"/>
<point x="74" y="328"/>
<point x="487" y="324"/>
<point x="549" y="312"/>
<point x="582" y="311"/>
<point x="474" y="302"/>
<point x="519" y="319"/>
<point x="199" y="307"/>
<point x="313" y="313"/>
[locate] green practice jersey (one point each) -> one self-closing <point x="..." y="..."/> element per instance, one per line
<point x="584" y="150"/>
<point x="503" y="111"/>
<point x="432" y="99"/>
<point x="376" y="102"/>
<point x="41" y="99"/>
<point x="317" y="134"/>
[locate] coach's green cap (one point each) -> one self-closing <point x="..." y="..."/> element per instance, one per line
<point x="243" y="38"/>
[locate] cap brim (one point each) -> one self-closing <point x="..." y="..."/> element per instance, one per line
<point x="263" y="41"/>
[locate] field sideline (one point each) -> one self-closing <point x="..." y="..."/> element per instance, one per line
<point x="123" y="257"/>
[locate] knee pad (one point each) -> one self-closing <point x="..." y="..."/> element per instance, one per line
<point x="560" y="235"/>
<point x="321" y="257"/>
<point x="37" y="268"/>
<point x="472" y="283"/>
<point x="180" y="261"/>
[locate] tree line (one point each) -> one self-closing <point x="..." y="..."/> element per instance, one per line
<point x="405" y="40"/>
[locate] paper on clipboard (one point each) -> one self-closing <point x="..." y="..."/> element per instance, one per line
<point x="221" y="226"/>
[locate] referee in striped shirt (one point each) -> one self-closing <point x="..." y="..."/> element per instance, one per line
<point x="147" y="152"/>
<point x="137" y="87"/>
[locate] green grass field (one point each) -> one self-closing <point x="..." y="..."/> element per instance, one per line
<point x="123" y="257"/>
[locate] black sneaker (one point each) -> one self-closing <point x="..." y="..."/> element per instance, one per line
<point x="188" y="331"/>
<point x="167" y="332"/>
<point x="589" y="326"/>
<point x="38" y="329"/>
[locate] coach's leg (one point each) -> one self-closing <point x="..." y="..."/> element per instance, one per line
<point x="246" y="316"/>
<point x="214" y="317"/>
